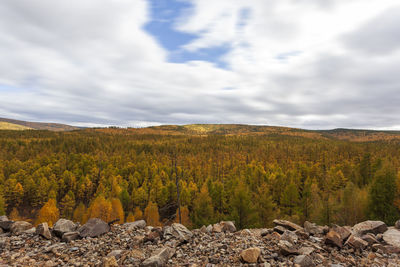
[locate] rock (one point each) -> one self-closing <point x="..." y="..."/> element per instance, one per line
<point x="217" y="228"/>
<point x="306" y="250"/>
<point x="286" y="248"/>
<point x="228" y="226"/>
<point x="69" y="236"/>
<point x="356" y="242"/>
<point x="159" y="259"/>
<point x="279" y="229"/>
<point x="3" y="218"/>
<point x="209" y="228"/>
<point x="302" y="234"/>
<point x="304" y="261"/>
<point x="392" y="237"/>
<point x="115" y="253"/>
<point x="109" y="262"/>
<point x="43" y="230"/>
<point x="288" y="225"/>
<point x="178" y="231"/>
<point x="30" y="231"/>
<point x="19" y="227"/>
<point x="135" y="225"/>
<point x="6" y="225"/>
<point x="397" y="224"/>
<point x="333" y="238"/>
<point x="203" y="229"/>
<point x="93" y="228"/>
<point x="344" y="232"/>
<point x="250" y="255"/>
<point x="153" y="235"/>
<point x="313" y="228"/>
<point x="375" y="227"/>
<point x="290" y="237"/>
<point x="63" y="226"/>
<point x="370" y="238"/>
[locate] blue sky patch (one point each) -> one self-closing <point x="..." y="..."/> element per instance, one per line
<point x="164" y="15"/>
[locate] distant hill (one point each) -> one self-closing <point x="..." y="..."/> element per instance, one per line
<point x="10" y="124"/>
<point x="242" y="129"/>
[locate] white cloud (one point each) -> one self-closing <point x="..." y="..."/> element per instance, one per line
<point x="307" y="63"/>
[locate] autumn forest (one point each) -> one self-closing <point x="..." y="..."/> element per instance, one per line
<point x="197" y="179"/>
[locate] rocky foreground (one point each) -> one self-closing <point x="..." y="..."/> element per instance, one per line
<point x="97" y="243"/>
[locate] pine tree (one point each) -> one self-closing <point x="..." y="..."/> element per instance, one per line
<point x="290" y="199"/>
<point x="100" y="208"/>
<point x="382" y="195"/>
<point x="202" y="208"/>
<point x="130" y="218"/>
<point x="80" y="213"/>
<point x="48" y="213"/>
<point x="117" y="212"/>
<point x="184" y="217"/>
<point x="151" y="214"/>
<point x="138" y="214"/>
<point x="67" y="205"/>
<point x="14" y="215"/>
<point x="265" y="206"/>
<point x="243" y="210"/>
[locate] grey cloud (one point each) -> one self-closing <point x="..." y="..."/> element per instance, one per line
<point x="378" y="36"/>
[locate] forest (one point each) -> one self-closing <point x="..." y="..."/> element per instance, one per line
<point x="251" y="179"/>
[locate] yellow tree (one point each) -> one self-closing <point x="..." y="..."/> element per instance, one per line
<point x="138" y="214"/>
<point x="151" y="214"/>
<point x="184" y="216"/>
<point x="117" y="212"/>
<point x="14" y="215"/>
<point x="130" y="217"/>
<point x="80" y="213"/>
<point x="100" y="208"/>
<point x="49" y="213"/>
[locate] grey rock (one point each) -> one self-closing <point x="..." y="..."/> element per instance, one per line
<point x="160" y="259"/>
<point x="288" y="225"/>
<point x="304" y="261"/>
<point x="392" y="237"/>
<point x="370" y="238"/>
<point x="135" y="225"/>
<point x="356" y="242"/>
<point x="19" y="227"/>
<point x="178" y="231"/>
<point x="6" y="225"/>
<point x="93" y="228"/>
<point x="375" y="227"/>
<point x="306" y="250"/>
<point x="115" y="253"/>
<point x="290" y="237"/>
<point x="228" y="226"/>
<point x="69" y="236"/>
<point x="313" y="228"/>
<point x="3" y="218"/>
<point x="279" y="229"/>
<point x="63" y="226"/>
<point x="43" y="230"/>
<point x="397" y="224"/>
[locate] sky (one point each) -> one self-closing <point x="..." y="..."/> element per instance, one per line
<point x="299" y="63"/>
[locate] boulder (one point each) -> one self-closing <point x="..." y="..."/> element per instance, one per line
<point x="289" y="236"/>
<point x="3" y="218"/>
<point x="93" y="228"/>
<point x="288" y="225"/>
<point x="370" y="238"/>
<point x="43" y="230"/>
<point x="344" y="232"/>
<point x="154" y="234"/>
<point x="304" y="261"/>
<point x="392" y="237"/>
<point x="313" y="228"/>
<point x="178" y="231"/>
<point x="69" y="236"/>
<point x="250" y="255"/>
<point x="135" y="225"/>
<point x="160" y="259"/>
<point x="286" y="248"/>
<point x="333" y="238"/>
<point x="6" y="225"/>
<point x="356" y="242"/>
<point x="217" y="228"/>
<point x="375" y="227"/>
<point x="279" y="229"/>
<point x="19" y="227"/>
<point x="109" y="262"/>
<point x="228" y="226"/>
<point x="63" y="226"/>
<point x="397" y="224"/>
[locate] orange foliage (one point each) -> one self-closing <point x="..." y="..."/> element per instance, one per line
<point x="151" y="214"/>
<point x="49" y="213"/>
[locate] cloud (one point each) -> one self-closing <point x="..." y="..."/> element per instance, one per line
<point x="307" y="63"/>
